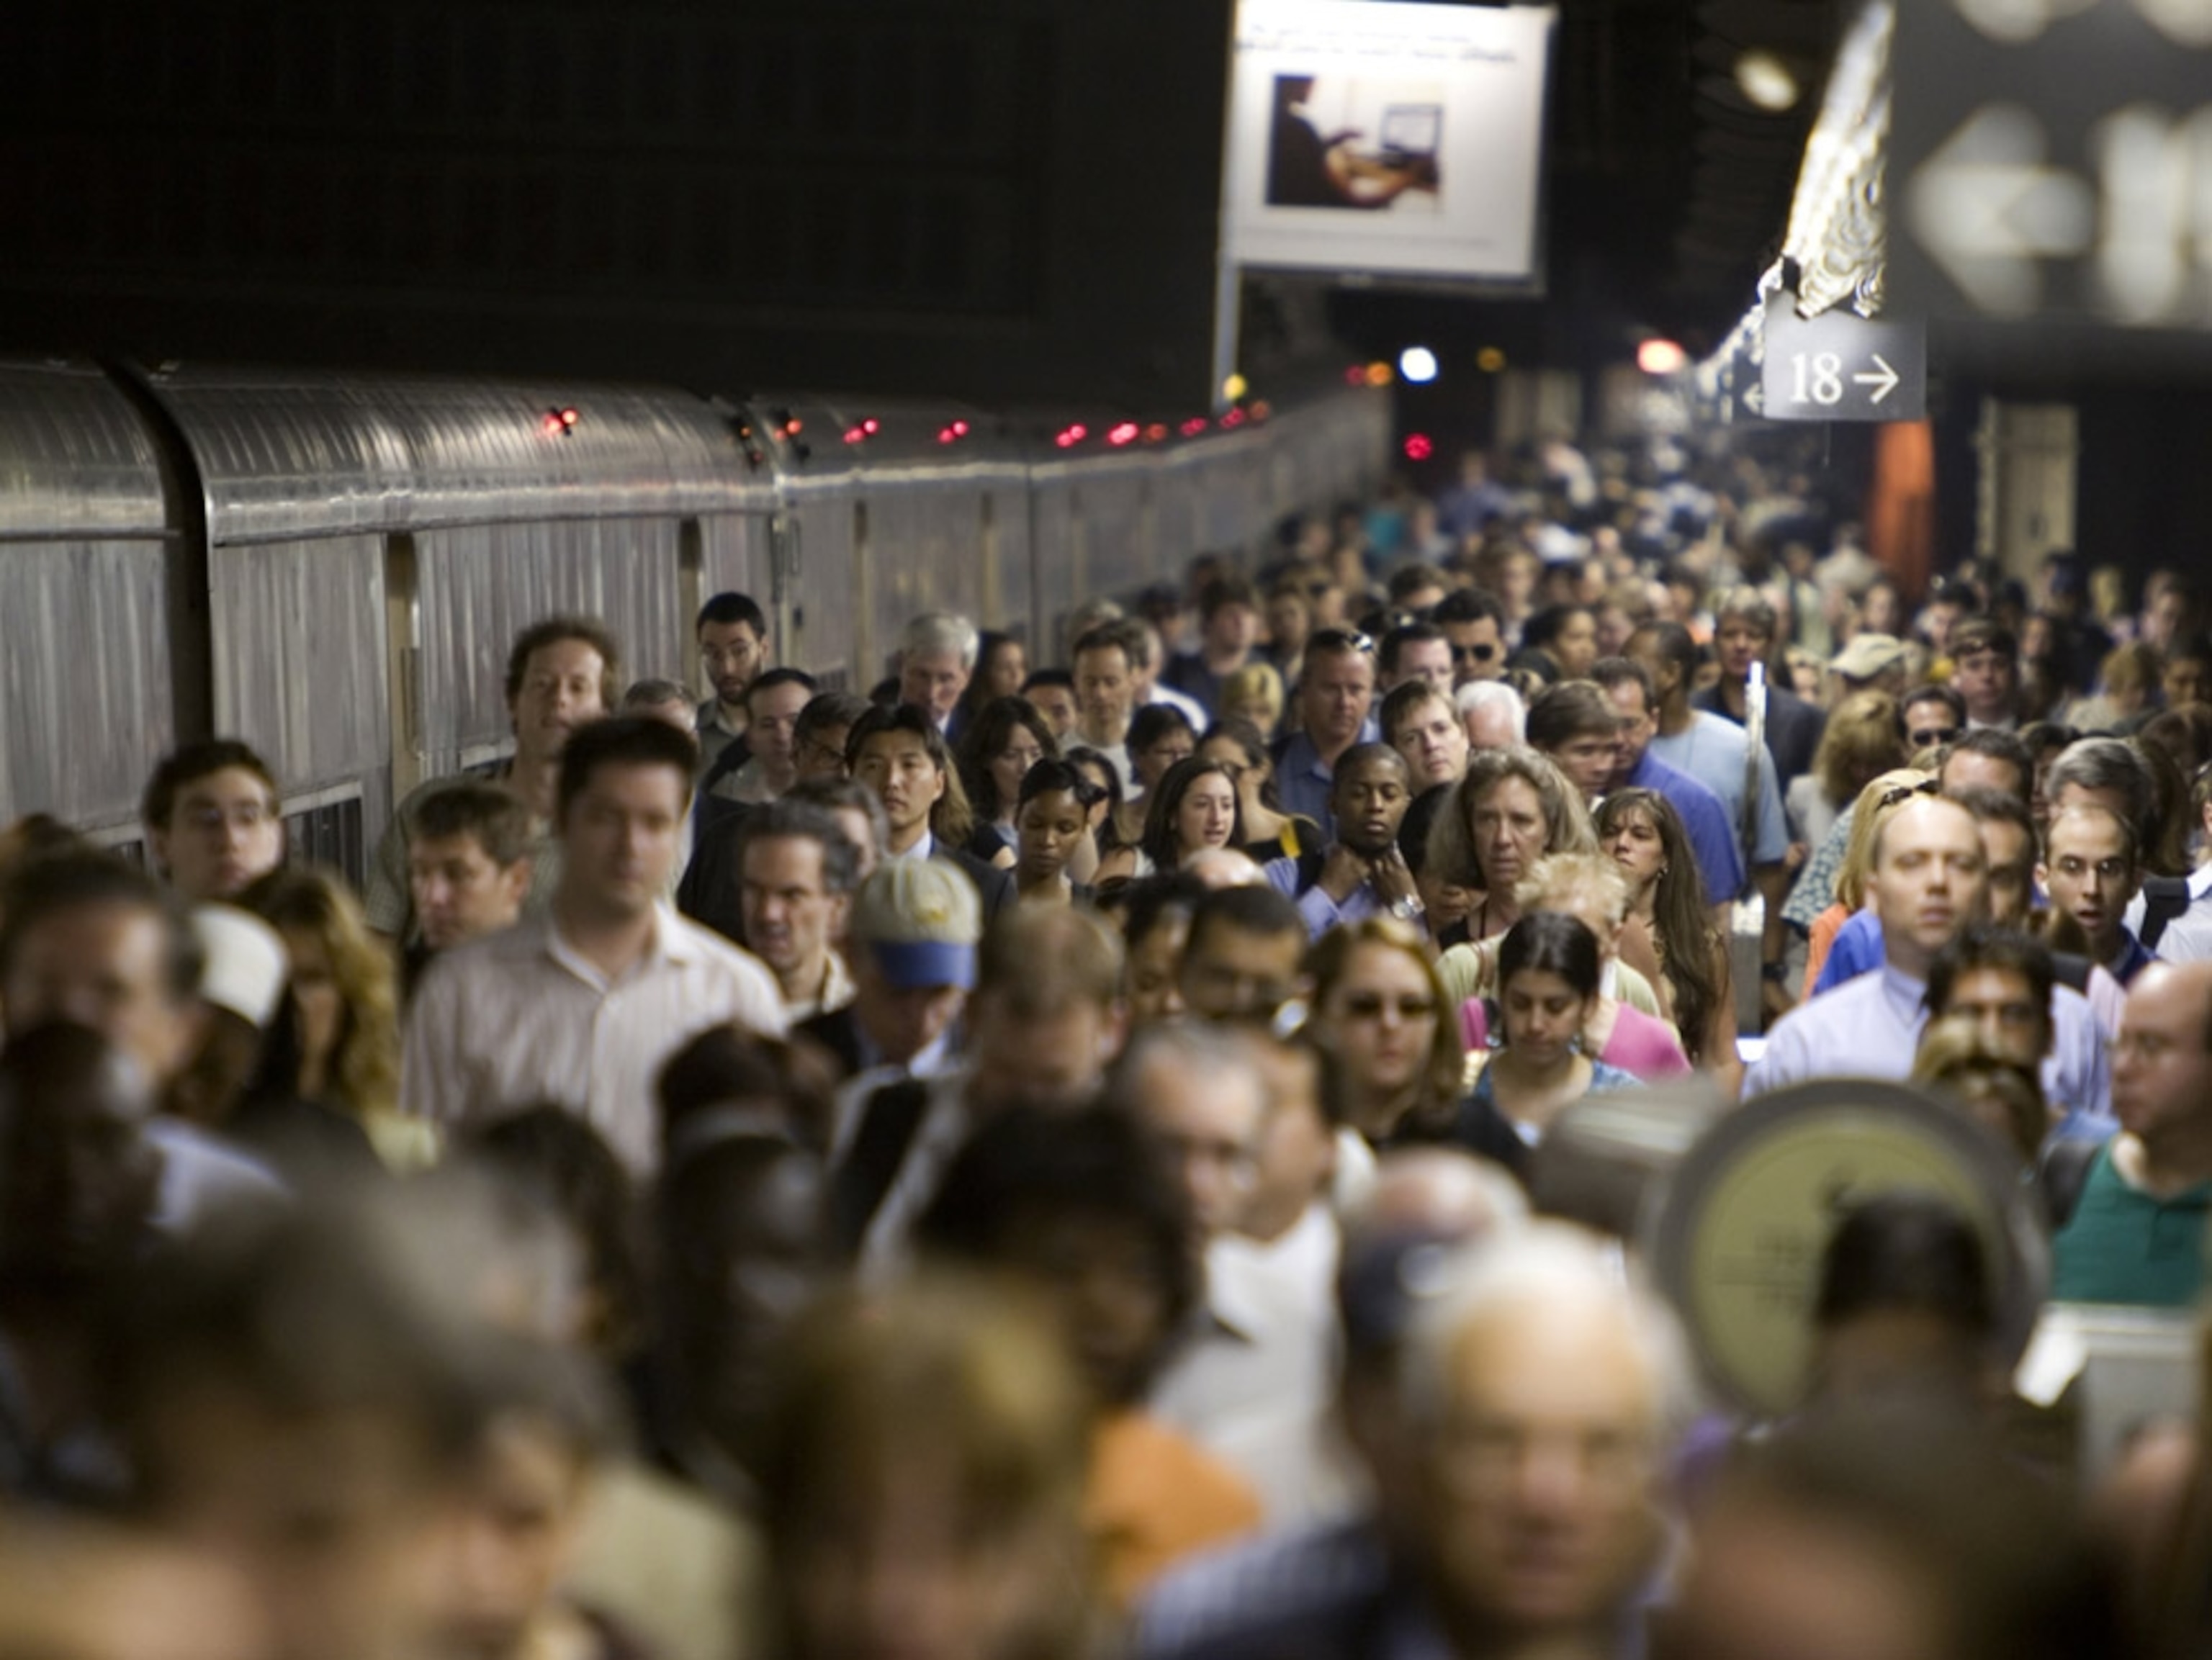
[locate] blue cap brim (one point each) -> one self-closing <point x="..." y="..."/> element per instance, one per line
<point x="911" y="966"/>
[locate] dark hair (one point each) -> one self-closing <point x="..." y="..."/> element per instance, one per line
<point x="1409" y="633"/>
<point x="1746" y="604"/>
<point x="623" y="741"/>
<point x="1675" y="644"/>
<point x="827" y="709"/>
<point x="1551" y="941"/>
<point x="1412" y="578"/>
<point x="1990" y="805"/>
<point x="1051" y="777"/>
<point x="1572" y="709"/>
<point x="1241" y="733"/>
<point x="551" y="631"/>
<point x="1468" y="605"/>
<point x="1252" y="910"/>
<point x="1056" y="677"/>
<point x="1983" y="634"/>
<point x="1083" y="755"/>
<point x="725" y="1064"/>
<point x="986" y="736"/>
<point x="1154" y="722"/>
<point x="1153" y="900"/>
<point x="768" y="679"/>
<point x="1122" y="634"/>
<point x="1609" y="672"/>
<point x="497" y="817"/>
<point x="1540" y="630"/>
<point x="564" y="1164"/>
<point x="1929" y="692"/>
<point x="1998" y="745"/>
<point x="190" y="762"/>
<point x="801" y="821"/>
<point x="2043" y="738"/>
<point x="1981" y="946"/>
<point x="1026" y="1164"/>
<point x="952" y="819"/>
<point x="654" y="693"/>
<point x="1681" y="917"/>
<point x="1159" y="842"/>
<point x="1404" y="697"/>
<point x="725" y="608"/>
<point x="1221" y="592"/>
<point x="50" y="887"/>
<point x="2097" y="763"/>
<point x="1907" y="1252"/>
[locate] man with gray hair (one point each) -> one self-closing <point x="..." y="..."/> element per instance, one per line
<point x="936" y="654"/>
<point x="1495" y="717"/>
<point x="1519" y="1510"/>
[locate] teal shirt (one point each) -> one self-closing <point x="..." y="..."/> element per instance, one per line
<point x="2121" y="1245"/>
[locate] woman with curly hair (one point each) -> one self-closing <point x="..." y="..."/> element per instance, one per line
<point x="1512" y="807"/>
<point x="1643" y="834"/>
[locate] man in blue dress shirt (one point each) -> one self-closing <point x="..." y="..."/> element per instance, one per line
<point x="1704" y="820"/>
<point x="1336" y="686"/>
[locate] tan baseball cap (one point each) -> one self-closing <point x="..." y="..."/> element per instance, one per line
<point x="922" y="919"/>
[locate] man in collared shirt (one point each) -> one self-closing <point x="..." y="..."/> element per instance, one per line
<point x="213" y="822"/>
<point x="1336" y="688"/>
<point x="796" y="872"/>
<point x="2137" y="1232"/>
<point x="1422" y="724"/>
<point x="911" y="944"/>
<point x="468" y="867"/>
<point x="1704" y="820"/>
<point x="774" y="703"/>
<point x="1228" y="627"/>
<point x="1743" y="633"/>
<point x="1106" y="693"/>
<point x="937" y="658"/>
<point x="2091" y="870"/>
<point x="733" y="642"/>
<point x="900" y="756"/>
<point x="1985" y="672"/>
<point x="583" y="1005"/>
<point x="1364" y="874"/>
<point x="562" y="673"/>
<point x="1927" y="882"/>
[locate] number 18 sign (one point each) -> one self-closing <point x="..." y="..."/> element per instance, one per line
<point x="1839" y="367"/>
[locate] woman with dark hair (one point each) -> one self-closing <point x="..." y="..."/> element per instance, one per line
<point x="1001" y="666"/>
<point x="1085" y="1209"/>
<point x="1105" y="802"/>
<point x="1193" y="807"/>
<point x="1051" y="822"/>
<point x="1160" y="735"/>
<point x="1548" y="982"/>
<point x="1642" y="831"/>
<point x="1269" y="833"/>
<point x="1006" y="738"/>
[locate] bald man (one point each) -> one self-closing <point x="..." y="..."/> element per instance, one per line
<point x="2136" y="1233"/>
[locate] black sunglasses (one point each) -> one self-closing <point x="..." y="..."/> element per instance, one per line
<point x="1898" y="792"/>
<point x="1474" y="653"/>
<point x="1929" y="738"/>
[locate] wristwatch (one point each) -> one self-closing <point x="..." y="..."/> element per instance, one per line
<point x="1408" y="909"/>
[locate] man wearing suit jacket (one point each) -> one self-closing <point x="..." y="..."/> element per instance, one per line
<point x="900" y="755"/>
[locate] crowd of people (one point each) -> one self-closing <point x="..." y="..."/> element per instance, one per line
<point x="1039" y="1159"/>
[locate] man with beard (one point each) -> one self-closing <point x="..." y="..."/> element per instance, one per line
<point x="1364" y="874"/>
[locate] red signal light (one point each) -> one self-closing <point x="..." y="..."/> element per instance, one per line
<point x="1122" y="432"/>
<point x="1418" y="446"/>
<point x="870" y="426"/>
<point x="1156" y="433"/>
<point x="959" y="429"/>
<point x="1194" y="426"/>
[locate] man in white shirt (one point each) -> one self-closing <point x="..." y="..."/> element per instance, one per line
<point x="796" y="873"/>
<point x="581" y="1006"/>
<point x="902" y="760"/>
<point x="1106" y="693"/>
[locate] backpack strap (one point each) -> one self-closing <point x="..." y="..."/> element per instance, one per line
<point x="888" y="1125"/>
<point x="2165" y="898"/>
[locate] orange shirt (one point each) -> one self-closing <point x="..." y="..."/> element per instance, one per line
<point x="1156" y="1497"/>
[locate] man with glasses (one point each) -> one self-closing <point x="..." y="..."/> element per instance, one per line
<point x="1934" y="716"/>
<point x="1474" y="624"/>
<point x="817" y="741"/>
<point x="1336" y="691"/>
<point x="2091" y="870"/>
<point x="212" y="822"/>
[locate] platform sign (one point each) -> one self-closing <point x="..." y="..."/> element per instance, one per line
<point x="2051" y="175"/>
<point x="1841" y="367"/>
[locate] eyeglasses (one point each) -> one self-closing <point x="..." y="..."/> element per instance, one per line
<point x="1933" y="736"/>
<point x="1898" y="792"/>
<point x="1342" y="640"/>
<point x="1474" y="653"/>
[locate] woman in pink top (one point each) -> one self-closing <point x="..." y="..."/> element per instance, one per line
<point x="1592" y="889"/>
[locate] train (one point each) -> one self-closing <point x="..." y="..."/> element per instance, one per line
<point x="331" y="568"/>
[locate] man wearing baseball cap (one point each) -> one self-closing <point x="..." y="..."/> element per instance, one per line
<point x="911" y="942"/>
<point x="1870" y="663"/>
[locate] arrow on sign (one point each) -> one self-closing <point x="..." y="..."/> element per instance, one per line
<point x="1986" y="206"/>
<point x="1885" y="381"/>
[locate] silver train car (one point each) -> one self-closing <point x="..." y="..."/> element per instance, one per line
<point x="331" y="568"/>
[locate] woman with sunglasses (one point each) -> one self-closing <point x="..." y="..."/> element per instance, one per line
<point x="1379" y="1010"/>
<point x="1104" y="802"/>
<point x="1006" y="738"/>
<point x="1267" y="833"/>
<point x="1052" y="820"/>
<point x="1548" y="978"/>
<point x="1642" y="832"/>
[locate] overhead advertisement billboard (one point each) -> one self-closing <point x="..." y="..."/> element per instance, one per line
<point x="1390" y="140"/>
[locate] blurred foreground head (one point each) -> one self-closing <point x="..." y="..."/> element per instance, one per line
<point x="923" y="1484"/>
<point x="77" y="1179"/>
<point x="307" y="1397"/>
